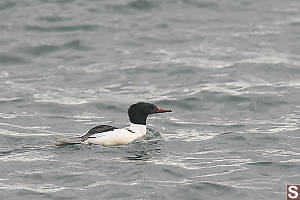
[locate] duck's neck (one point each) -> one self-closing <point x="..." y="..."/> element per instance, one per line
<point x="138" y="129"/>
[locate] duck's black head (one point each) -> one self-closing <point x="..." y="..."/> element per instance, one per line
<point x="139" y="112"/>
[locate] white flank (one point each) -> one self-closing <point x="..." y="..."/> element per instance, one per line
<point x="118" y="136"/>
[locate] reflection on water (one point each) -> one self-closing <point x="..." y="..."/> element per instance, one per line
<point x="144" y="151"/>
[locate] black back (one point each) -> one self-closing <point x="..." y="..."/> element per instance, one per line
<point x="97" y="129"/>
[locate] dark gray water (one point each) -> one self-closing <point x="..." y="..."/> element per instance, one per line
<point x="230" y="71"/>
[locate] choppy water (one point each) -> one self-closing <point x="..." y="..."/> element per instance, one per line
<point x="230" y="71"/>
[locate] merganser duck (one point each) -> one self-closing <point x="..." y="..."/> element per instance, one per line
<point x="108" y="135"/>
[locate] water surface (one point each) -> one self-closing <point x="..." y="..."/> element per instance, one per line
<point x="228" y="69"/>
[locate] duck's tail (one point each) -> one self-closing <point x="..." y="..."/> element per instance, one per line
<point x="68" y="141"/>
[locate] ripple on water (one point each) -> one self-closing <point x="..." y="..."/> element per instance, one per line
<point x="7" y="5"/>
<point x="53" y="19"/>
<point x="83" y="27"/>
<point x="191" y="135"/>
<point x="10" y="100"/>
<point x="43" y="49"/>
<point x="139" y="5"/>
<point x="144" y="150"/>
<point x="6" y="58"/>
<point x="50" y="96"/>
<point x="40" y="188"/>
<point x="23" y="153"/>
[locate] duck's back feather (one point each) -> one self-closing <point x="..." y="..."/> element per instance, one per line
<point x="89" y="134"/>
<point x="97" y="129"/>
